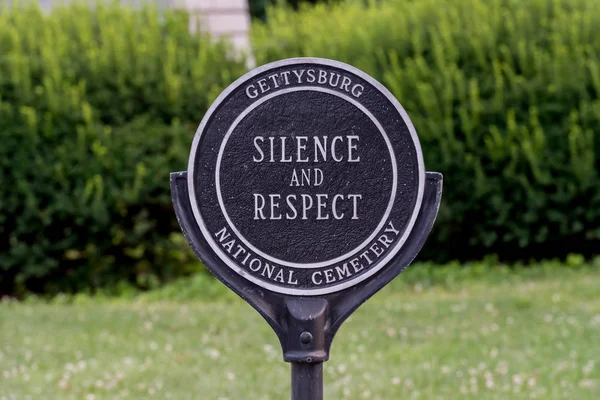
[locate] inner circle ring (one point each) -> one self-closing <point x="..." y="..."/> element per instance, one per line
<point x="388" y="209"/>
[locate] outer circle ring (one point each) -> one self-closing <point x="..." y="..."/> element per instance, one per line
<point x="194" y="152"/>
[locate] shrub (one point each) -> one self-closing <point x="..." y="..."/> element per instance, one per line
<point x="97" y="105"/>
<point x="505" y="97"/>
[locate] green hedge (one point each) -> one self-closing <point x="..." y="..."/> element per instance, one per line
<point x="505" y="97"/>
<point x="258" y="8"/>
<point x="97" y="106"/>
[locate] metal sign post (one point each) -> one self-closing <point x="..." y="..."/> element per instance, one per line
<point x="305" y="194"/>
<point x="307" y="381"/>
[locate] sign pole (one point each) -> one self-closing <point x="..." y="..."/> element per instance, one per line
<point x="307" y="381"/>
<point x="306" y="346"/>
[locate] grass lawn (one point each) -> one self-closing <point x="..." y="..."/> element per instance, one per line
<point x="512" y="339"/>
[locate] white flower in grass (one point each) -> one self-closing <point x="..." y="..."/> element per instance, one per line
<point x="213" y="353"/>
<point x="587" y="384"/>
<point x="517" y="380"/>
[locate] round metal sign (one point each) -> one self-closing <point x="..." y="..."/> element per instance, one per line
<point x="306" y="176"/>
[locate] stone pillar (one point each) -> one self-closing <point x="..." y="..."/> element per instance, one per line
<point x="221" y="18"/>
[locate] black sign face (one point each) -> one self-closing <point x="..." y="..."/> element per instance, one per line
<point x="306" y="176"/>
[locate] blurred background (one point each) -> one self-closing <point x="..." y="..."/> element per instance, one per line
<point x="99" y="102"/>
